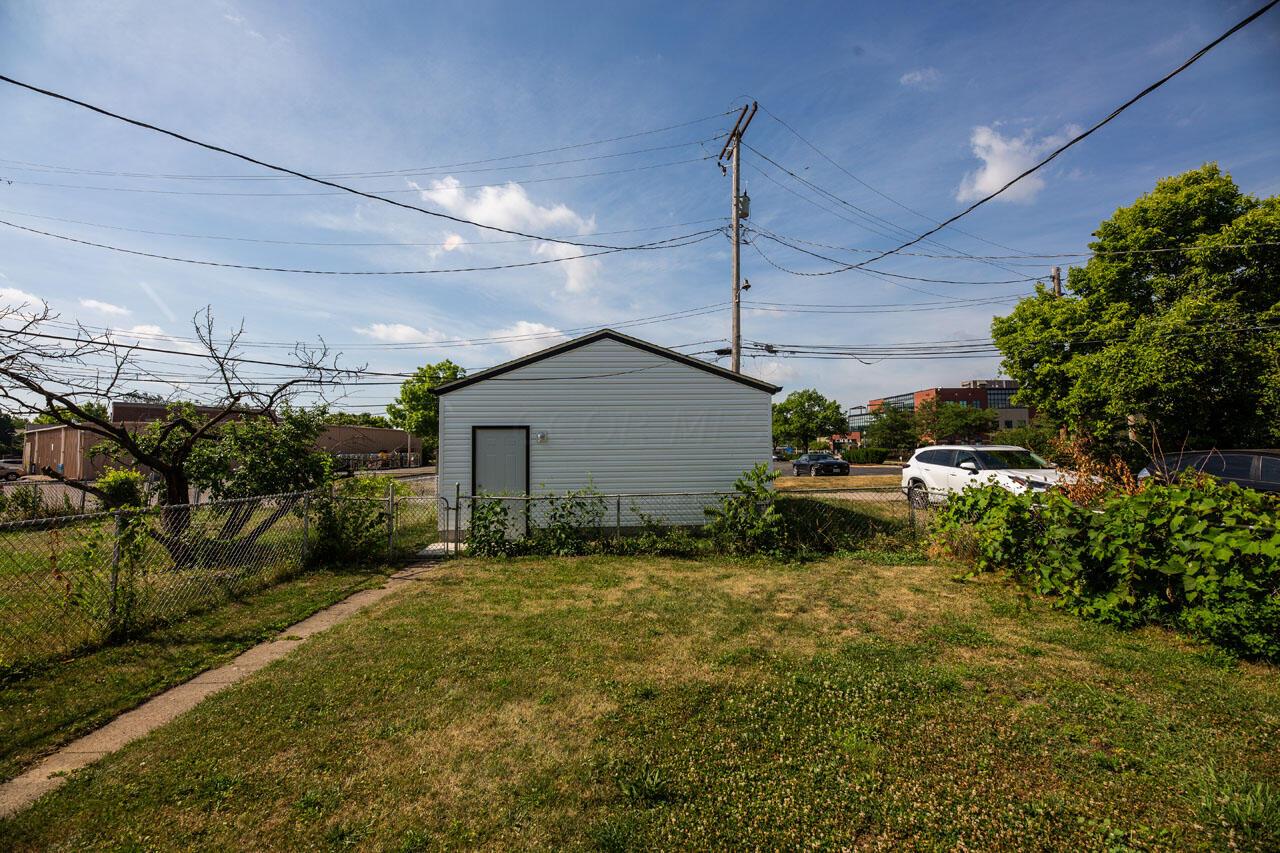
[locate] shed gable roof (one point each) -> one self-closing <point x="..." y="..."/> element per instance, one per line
<point x="607" y="334"/>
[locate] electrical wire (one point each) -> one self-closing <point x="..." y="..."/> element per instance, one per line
<point x="868" y="186"/>
<point x="1080" y="137"/>
<point x="341" y="243"/>
<point x="382" y="190"/>
<point x="669" y="243"/>
<point x="768" y="235"/>
<point x="27" y="166"/>
<point x="285" y="170"/>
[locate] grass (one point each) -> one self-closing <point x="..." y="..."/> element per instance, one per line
<point x="878" y="481"/>
<point x="68" y="698"/>
<point x="863" y="701"/>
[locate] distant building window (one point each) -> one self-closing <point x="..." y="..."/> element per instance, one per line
<point x="1008" y="424"/>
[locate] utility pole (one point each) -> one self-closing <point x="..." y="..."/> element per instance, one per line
<point x="739" y="209"/>
<point x="1057" y="281"/>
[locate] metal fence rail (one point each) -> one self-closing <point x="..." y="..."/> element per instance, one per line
<point x="78" y="581"/>
<point x="831" y="518"/>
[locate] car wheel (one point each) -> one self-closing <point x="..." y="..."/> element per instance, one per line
<point x="813" y="472"/>
<point x="918" y="496"/>
<point x="11" y="476"/>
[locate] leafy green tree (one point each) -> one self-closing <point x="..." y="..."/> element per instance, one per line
<point x="10" y="437"/>
<point x="892" y="428"/>
<point x="951" y="422"/>
<point x="63" y="415"/>
<point x="262" y="455"/>
<point x="1171" y="326"/>
<point x="417" y="410"/>
<point x="368" y="419"/>
<point x="1039" y="435"/>
<point x="804" y="416"/>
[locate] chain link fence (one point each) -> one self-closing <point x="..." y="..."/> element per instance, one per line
<point x="73" y="582"/>
<point x="825" y="520"/>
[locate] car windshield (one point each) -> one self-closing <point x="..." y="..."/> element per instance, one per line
<point x="998" y="459"/>
<point x="818" y="457"/>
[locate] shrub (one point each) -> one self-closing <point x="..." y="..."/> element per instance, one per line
<point x="864" y="455"/>
<point x="487" y="533"/>
<point x="747" y="521"/>
<point x="1197" y="554"/>
<point x="372" y="487"/>
<point x="569" y="518"/>
<point x="122" y="487"/>
<point x="348" y="532"/>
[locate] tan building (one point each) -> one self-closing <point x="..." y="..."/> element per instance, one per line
<point x="66" y="450"/>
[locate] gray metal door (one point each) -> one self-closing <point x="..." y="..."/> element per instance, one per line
<point x="500" y="456"/>
<point x="500" y="466"/>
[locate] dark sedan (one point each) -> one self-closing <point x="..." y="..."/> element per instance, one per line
<point x="820" y="465"/>
<point x="1253" y="469"/>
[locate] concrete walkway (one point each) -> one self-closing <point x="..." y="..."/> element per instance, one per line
<point x="53" y="771"/>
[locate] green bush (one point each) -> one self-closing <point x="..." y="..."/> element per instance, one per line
<point x="864" y="455"/>
<point x="348" y="532"/>
<point x="371" y="487"/>
<point x="1197" y="554"/>
<point x="570" y="518"/>
<point x="122" y="487"/>
<point x="488" y="530"/>
<point x="747" y="522"/>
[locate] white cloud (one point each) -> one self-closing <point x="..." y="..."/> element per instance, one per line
<point x="399" y="333"/>
<point x="103" y="307"/>
<point x="453" y="241"/>
<point x="12" y="297"/>
<point x="922" y="78"/>
<point x="509" y="206"/>
<point x="549" y="336"/>
<point x="1004" y="158"/>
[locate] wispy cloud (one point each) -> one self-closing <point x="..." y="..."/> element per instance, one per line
<point x="12" y="297"/>
<point x="922" y="78"/>
<point x="159" y="303"/>
<point x="398" y="333"/>
<point x="1004" y="158"/>
<point x="104" y="307"/>
<point x="548" y="335"/>
<point x="509" y="206"/>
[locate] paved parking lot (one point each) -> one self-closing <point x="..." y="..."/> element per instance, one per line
<point x="784" y="468"/>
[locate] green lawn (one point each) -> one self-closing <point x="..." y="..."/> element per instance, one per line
<point x="68" y="698"/>
<point x="605" y="703"/>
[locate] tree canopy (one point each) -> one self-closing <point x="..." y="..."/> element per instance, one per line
<point x="950" y="422"/>
<point x="368" y="419"/>
<point x="1171" y="326"/>
<point x="416" y="409"/>
<point x="892" y="428"/>
<point x="804" y="416"/>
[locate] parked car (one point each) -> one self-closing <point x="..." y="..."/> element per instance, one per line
<point x="819" y="464"/>
<point x="933" y="473"/>
<point x="11" y="469"/>
<point x="1253" y="469"/>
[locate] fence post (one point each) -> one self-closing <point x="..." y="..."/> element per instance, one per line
<point x="391" y="518"/>
<point x="457" y="515"/>
<point x="617" y="516"/>
<point x="306" y="527"/>
<point x="115" y="570"/>
<point x="911" y="511"/>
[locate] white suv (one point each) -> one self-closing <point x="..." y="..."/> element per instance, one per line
<point x="933" y="473"/>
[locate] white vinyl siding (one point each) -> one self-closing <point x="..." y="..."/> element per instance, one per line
<point x="617" y="418"/>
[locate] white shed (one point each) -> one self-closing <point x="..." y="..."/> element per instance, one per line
<point x="606" y="411"/>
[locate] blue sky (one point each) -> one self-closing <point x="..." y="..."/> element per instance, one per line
<point x="929" y="103"/>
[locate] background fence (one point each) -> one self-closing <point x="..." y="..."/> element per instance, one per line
<point x="73" y="582"/>
<point x="829" y="519"/>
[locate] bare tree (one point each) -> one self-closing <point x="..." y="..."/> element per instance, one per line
<point x="57" y="370"/>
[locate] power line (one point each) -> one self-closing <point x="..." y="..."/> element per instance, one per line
<point x="426" y="172"/>
<point x="340" y="243"/>
<point x="768" y="235"/>
<point x="385" y="191"/>
<point x="868" y="186"/>
<point x="669" y="243"/>
<point x="1081" y="136"/>
<point x="285" y="170"/>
